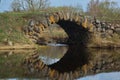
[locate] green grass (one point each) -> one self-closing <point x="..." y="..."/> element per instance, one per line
<point x="10" y="27"/>
<point x="12" y="22"/>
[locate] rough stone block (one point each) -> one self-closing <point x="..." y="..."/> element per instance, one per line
<point x="31" y="22"/>
<point x="51" y="19"/>
<point x="67" y="15"/>
<point x="110" y="31"/>
<point x="79" y="19"/>
<point x="71" y="16"/>
<point x="76" y="18"/>
<point x="56" y="17"/>
<point x="61" y="15"/>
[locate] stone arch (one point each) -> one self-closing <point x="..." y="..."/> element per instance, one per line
<point x="76" y="26"/>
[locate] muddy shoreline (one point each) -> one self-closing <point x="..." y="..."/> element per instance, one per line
<point x="17" y="47"/>
<point x="27" y="47"/>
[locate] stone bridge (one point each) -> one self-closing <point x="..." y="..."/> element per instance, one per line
<point x="79" y="29"/>
<point x="77" y="26"/>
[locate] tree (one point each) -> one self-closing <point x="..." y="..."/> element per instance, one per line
<point x="15" y="5"/>
<point x="30" y="5"/>
<point x="93" y="7"/>
<point x="104" y="9"/>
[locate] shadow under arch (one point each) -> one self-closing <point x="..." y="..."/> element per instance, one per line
<point x="77" y="34"/>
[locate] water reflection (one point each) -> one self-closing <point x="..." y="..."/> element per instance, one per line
<point x="10" y="61"/>
<point x="75" y="57"/>
<point x="57" y="62"/>
<point x="77" y="62"/>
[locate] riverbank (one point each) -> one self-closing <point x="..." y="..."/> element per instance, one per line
<point x="11" y="32"/>
<point x="106" y="42"/>
<point x="33" y="47"/>
<point x="17" y="47"/>
<point x="103" y="45"/>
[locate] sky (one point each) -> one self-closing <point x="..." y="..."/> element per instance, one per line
<point x="5" y="4"/>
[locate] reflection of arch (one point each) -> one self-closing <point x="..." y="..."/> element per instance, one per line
<point x="72" y="65"/>
<point x="75" y="57"/>
<point x="75" y="25"/>
<point x="75" y="63"/>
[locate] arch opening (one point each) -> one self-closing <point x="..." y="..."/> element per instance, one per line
<point x="76" y="27"/>
<point x="77" y="34"/>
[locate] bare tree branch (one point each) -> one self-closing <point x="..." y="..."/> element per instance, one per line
<point x="31" y="5"/>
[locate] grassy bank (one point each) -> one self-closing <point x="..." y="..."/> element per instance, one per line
<point x="97" y="41"/>
<point x="12" y="36"/>
<point x="10" y="27"/>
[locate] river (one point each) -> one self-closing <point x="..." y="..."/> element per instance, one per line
<point x="68" y="62"/>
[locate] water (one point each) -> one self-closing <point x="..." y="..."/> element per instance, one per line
<point x="103" y="76"/>
<point x="73" y="62"/>
<point x="11" y="61"/>
<point x="51" y="44"/>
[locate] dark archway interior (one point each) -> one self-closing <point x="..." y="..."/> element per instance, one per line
<point x="77" y="33"/>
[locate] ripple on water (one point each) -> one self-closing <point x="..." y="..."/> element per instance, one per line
<point x="54" y="44"/>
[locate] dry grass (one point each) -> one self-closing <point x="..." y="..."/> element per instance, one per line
<point x="10" y="28"/>
<point x="106" y="42"/>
